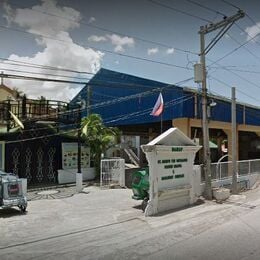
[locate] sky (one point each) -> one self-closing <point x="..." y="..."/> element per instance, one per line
<point x="154" y="39"/>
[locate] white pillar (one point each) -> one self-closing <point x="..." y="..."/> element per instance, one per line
<point x="79" y="180"/>
<point x="24" y="186"/>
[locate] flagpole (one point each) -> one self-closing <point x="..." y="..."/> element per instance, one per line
<point x="161" y="123"/>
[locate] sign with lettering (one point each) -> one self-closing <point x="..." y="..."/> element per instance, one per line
<point x="170" y="157"/>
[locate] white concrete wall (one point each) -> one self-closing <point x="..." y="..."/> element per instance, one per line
<point x="69" y="176"/>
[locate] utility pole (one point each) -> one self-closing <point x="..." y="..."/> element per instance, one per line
<point x="205" y="127"/>
<point x="234" y="143"/>
<point x="88" y="99"/>
<point x="225" y="24"/>
<point x="79" y="140"/>
<point x="79" y="176"/>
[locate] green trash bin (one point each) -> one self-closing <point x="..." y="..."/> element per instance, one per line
<point x="140" y="186"/>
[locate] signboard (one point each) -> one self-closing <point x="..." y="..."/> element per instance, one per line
<point x="70" y="156"/>
<point x="170" y="157"/>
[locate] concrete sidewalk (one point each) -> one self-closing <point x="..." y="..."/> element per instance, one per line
<point x="108" y="224"/>
<point x="57" y="191"/>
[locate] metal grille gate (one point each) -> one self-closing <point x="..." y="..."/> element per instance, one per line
<point x="35" y="159"/>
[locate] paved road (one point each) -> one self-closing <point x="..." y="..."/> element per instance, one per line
<point x="107" y="224"/>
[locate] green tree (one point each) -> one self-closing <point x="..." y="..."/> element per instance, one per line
<point x="98" y="137"/>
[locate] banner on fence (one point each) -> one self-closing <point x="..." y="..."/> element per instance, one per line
<point x="70" y="156"/>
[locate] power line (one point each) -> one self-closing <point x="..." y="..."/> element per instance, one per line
<point x="97" y="49"/>
<point x="217" y="12"/>
<point x="42" y="74"/>
<point x="206" y="7"/>
<point x="178" y="10"/>
<point x="138" y="95"/>
<point x="224" y="15"/>
<point x="236" y="66"/>
<point x="244" y="31"/>
<point x="229" y="86"/>
<point x="236" y="74"/>
<point x="110" y="31"/>
<point x="41" y="137"/>
<point x="246" y="80"/>
<point x="50" y="135"/>
<point x="13" y="76"/>
<point x="228" y="3"/>
<point x="239" y="70"/>
<point x="40" y="66"/>
<point x="127" y="116"/>
<point x="140" y="113"/>
<point x="234" y="50"/>
<point x="117" y="100"/>
<point x="49" y="128"/>
<point x="252" y="20"/>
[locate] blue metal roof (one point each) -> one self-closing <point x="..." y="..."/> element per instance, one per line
<point x="123" y="99"/>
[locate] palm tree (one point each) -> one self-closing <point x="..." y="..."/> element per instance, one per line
<point x="98" y="137"/>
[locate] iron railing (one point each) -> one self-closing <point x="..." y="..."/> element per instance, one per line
<point x="37" y="109"/>
<point x="224" y="169"/>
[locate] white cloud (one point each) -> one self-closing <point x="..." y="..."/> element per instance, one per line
<point x="152" y="51"/>
<point x="120" y="42"/>
<point x="96" y="38"/>
<point x="63" y="54"/>
<point x="253" y="31"/>
<point x="37" y="21"/>
<point x="92" y="19"/>
<point x="117" y="41"/>
<point x="170" y="51"/>
<point x="8" y="13"/>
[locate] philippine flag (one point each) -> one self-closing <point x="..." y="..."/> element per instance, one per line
<point x="158" y="107"/>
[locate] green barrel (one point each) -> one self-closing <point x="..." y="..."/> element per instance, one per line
<point x="140" y="184"/>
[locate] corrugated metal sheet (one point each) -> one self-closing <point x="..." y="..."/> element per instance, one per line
<point x="109" y="87"/>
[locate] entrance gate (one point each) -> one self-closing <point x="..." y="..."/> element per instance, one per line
<point x="36" y="159"/>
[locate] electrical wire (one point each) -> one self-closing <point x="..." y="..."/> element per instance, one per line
<point x="148" y="110"/>
<point x="228" y="3"/>
<point x="49" y="127"/>
<point x="95" y="48"/>
<point x="206" y="7"/>
<point x="118" y="118"/>
<point x="115" y="101"/>
<point x="178" y="10"/>
<point x="71" y="131"/>
<point x="217" y="12"/>
<point x="224" y="15"/>
<point x="108" y="30"/>
<point x="236" y="74"/>
<point x="244" y="47"/>
<point x="41" y="137"/>
<point x="40" y="66"/>
<point x="234" y="50"/>
<point x="42" y="74"/>
<point x="239" y="70"/>
<point x="20" y="77"/>
<point x="124" y="98"/>
<point x="242" y="92"/>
